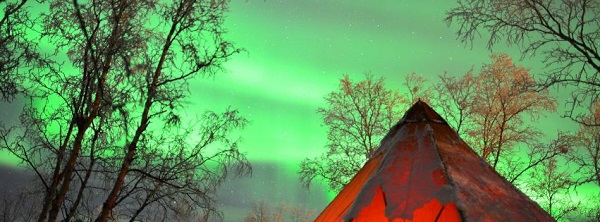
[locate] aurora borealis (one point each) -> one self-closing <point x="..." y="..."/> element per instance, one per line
<point x="295" y="53"/>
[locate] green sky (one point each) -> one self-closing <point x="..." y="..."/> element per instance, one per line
<point x="296" y="52"/>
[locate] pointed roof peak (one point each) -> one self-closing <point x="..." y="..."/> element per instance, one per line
<point x="421" y="112"/>
<point x="423" y="171"/>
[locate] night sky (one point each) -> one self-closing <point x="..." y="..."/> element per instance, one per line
<point x="296" y="52"/>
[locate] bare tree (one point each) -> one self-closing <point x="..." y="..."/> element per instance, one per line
<point x="117" y="67"/>
<point x="455" y="99"/>
<point x="357" y="117"/>
<point x="16" y="51"/>
<point x="259" y="213"/>
<point x="586" y="155"/>
<point x="187" y="176"/>
<point x="299" y="213"/>
<point x="503" y="100"/>
<point x="566" y="32"/>
<point x="489" y="111"/>
<point x="264" y="212"/>
<point x="537" y="154"/>
<point x="589" y="212"/>
<point x="17" y="205"/>
<point x="418" y="88"/>
<point x="551" y="186"/>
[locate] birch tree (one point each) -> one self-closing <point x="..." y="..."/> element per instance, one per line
<point x="103" y="122"/>
<point x="357" y="116"/>
<point x="564" y="32"/>
<point x="490" y="111"/>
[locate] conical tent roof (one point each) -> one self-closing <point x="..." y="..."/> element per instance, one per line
<point x="422" y="171"/>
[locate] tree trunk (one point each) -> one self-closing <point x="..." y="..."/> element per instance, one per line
<point x="69" y="168"/>
<point x="56" y="177"/>
<point x="109" y="204"/>
<point x="88" y="174"/>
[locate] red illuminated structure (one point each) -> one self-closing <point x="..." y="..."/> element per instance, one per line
<point x="423" y="171"/>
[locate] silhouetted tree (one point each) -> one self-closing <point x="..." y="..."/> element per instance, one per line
<point x="117" y="67"/>
<point x="495" y="103"/>
<point x="566" y="32"/>
<point x="537" y="154"/>
<point x="358" y="115"/>
<point x="259" y="213"/>
<point x="16" y="204"/>
<point x="586" y="155"/>
<point x="16" y="50"/>
<point x="489" y="111"/>
<point x="551" y="187"/>
<point x="589" y="212"/>
<point x="418" y="88"/>
<point x="502" y="101"/>
<point x="455" y="99"/>
<point x="264" y="212"/>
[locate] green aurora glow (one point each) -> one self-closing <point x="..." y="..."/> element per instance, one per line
<point x="298" y="50"/>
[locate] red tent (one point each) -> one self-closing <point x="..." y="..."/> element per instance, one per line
<point x="423" y="171"/>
